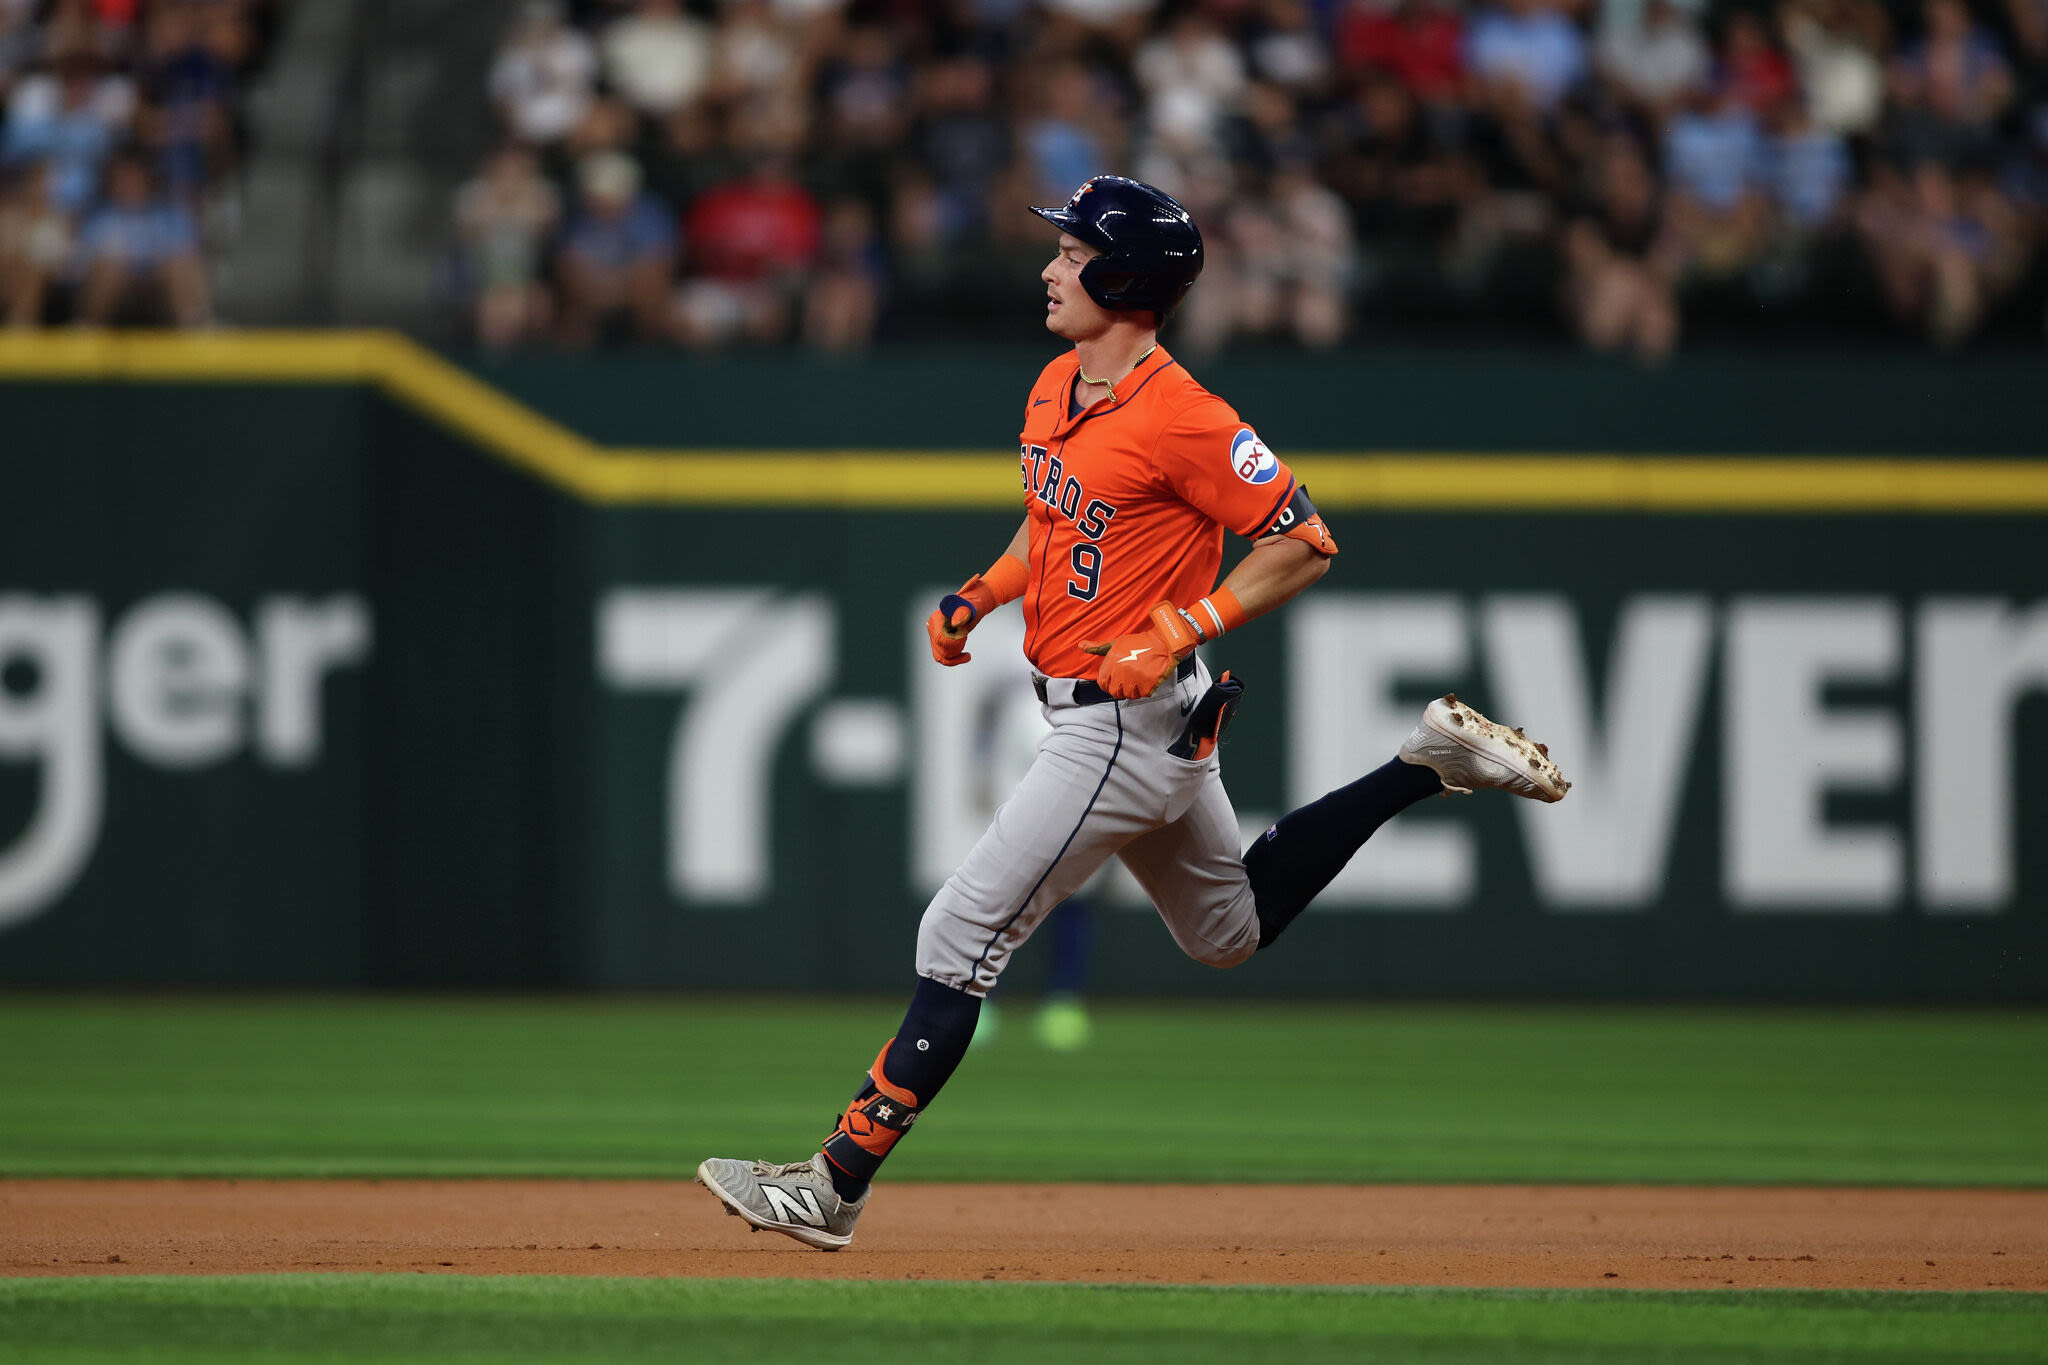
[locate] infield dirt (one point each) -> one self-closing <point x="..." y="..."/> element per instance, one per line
<point x="1553" y="1236"/>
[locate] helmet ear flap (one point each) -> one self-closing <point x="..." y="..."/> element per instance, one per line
<point x="1114" y="288"/>
<point x="1105" y="283"/>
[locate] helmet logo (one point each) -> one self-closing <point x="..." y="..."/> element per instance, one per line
<point x="1249" y="457"/>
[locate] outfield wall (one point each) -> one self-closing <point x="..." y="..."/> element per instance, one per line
<point x="322" y="663"/>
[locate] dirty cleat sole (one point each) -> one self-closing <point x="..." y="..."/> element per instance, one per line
<point x="1466" y="750"/>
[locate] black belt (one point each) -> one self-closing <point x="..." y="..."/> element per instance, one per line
<point x="1087" y="693"/>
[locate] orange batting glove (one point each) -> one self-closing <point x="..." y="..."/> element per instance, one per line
<point x="1134" y="665"/>
<point x="958" y="613"/>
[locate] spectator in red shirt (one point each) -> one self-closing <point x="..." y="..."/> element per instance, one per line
<point x="752" y="245"/>
<point x="1421" y="44"/>
<point x="1753" y="71"/>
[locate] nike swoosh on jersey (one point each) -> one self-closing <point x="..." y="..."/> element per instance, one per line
<point x="1036" y="401"/>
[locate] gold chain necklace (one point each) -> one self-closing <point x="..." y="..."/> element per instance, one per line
<point x="1125" y="375"/>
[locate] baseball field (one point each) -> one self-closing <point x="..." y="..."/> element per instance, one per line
<point x="385" y="1179"/>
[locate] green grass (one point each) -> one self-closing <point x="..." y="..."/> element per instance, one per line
<point x="375" y="1086"/>
<point x="398" y="1318"/>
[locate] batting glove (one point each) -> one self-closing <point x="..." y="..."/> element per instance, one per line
<point x="1134" y="665"/>
<point x="958" y="613"/>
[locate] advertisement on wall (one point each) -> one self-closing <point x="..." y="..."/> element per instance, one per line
<point x="413" y="717"/>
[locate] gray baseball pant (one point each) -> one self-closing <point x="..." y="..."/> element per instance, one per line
<point x="1103" y="785"/>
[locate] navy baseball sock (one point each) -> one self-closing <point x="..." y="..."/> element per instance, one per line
<point x="1293" y="861"/>
<point x="912" y="1066"/>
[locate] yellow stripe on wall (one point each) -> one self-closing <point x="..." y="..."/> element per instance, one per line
<point x="1674" y="483"/>
<point x="1433" y="481"/>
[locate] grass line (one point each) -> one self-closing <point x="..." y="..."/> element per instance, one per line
<point x="617" y="1088"/>
<point x="348" y="1318"/>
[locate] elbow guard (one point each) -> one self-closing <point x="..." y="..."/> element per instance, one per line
<point x="1300" y="521"/>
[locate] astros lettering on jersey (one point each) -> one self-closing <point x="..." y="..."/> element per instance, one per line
<point x="1128" y="502"/>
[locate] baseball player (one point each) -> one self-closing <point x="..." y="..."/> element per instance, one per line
<point x="1132" y="473"/>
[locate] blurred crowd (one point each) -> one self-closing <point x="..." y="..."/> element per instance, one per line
<point x="704" y="172"/>
<point x="119" y="135"/>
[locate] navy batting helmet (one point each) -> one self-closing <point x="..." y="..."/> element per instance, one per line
<point x="1151" y="249"/>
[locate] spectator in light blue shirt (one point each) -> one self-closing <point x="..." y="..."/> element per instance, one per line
<point x="71" y="137"/>
<point x="1527" y="52"/>
<point x="1714" y="155"/>
<point x="1061" y="143"/>
<point x="140" y="254"/>
<point x="1714" y="163"/>
<point x="1806" y="169"/>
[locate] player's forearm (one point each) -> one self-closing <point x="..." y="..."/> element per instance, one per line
<point x="1020" y="544"/>
<point x="1276" y="569"/>
<point x="1004" y="580"/>
<point x="1274" y="573"/>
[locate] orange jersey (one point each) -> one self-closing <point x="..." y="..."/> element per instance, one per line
<point x="1128" y="502"/>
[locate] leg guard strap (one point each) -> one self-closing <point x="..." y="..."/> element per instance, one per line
<point x="880" y="1114"/>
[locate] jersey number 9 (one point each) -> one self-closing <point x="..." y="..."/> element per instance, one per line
<point x="1087" y="561"/>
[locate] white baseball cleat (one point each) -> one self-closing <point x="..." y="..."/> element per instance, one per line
<point x="1467" y="750"/>
<point x="796" y="1200"/>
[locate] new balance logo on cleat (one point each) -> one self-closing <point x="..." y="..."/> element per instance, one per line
<point x="796" y="1199"/>
<point x="803" y="1205"/>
